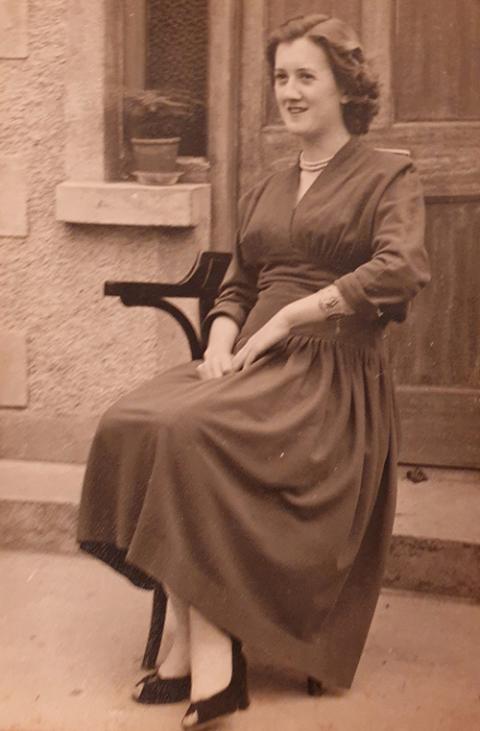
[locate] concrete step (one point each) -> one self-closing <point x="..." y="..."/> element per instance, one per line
<point x="436" y="544"/>
<point x="72" y="634"/>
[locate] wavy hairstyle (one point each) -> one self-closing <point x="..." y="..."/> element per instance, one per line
<point x="345" y="55"/>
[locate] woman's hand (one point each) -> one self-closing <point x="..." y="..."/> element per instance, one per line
<point x="216" y="363"/>
<point x="270" y="334"/>
<point x="218" y="357"/>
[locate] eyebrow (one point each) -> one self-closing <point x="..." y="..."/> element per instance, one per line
<point x="302" y="68"/>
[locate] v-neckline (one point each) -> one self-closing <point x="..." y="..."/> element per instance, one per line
<point x="338" y="158"/>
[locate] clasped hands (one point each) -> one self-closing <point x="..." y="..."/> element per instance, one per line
<point x="218" y="361"/>
<point x="321" y="305"/>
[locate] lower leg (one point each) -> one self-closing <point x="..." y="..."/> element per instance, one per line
<point x="174" y="655"/>
<point x="210" y="657"/>
<point x="219" y="674"/>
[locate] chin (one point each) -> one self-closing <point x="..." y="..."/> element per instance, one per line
<point x="296" y="132"/>
<point x="296" y="129"/>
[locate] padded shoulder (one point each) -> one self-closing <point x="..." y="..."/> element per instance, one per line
<point x="390" y="162"/>
<point x="394" y="151"/>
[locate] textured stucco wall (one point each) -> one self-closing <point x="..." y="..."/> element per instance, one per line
<point x="83" y="350"/>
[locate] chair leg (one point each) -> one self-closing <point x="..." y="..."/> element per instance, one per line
<point x="156" y="628"/>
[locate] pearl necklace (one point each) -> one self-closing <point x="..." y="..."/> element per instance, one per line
<point x="315" y="166"/>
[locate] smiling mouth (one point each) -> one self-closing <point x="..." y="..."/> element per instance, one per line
<point x="296" y="110"/>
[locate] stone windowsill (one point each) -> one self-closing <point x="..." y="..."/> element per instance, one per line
<point x="132" y="204"/>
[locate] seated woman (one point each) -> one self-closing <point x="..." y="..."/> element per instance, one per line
<point x="258" y="486"/>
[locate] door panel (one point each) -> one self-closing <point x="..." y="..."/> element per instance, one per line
<point x="438" y="345"/>
<point x="440" y="426"/>
<point x="427" y="56"/>
<point x="444" y="86"/>
<point x="280" y="10"/>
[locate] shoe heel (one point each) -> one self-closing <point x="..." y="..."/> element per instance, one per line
<point x="244" y="700"/>
<point x="314" y="687"/>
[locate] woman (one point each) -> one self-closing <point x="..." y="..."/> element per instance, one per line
<point x="258" y="486"/>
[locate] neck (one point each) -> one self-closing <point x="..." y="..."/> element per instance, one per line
<point x="324" y="147"/>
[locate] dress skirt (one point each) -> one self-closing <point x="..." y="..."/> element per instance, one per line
<point x="264" y="498"/>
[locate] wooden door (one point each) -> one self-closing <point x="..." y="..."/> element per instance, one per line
<point x="428" y="57"/>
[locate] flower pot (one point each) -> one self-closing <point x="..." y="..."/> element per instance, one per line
<point x="153" y="156"/>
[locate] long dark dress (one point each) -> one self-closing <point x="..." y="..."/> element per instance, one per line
<point x="266" y="498"/>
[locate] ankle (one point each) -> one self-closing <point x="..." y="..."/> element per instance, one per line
<point x="233" y="697"/>
<point x="174" y="667"/>
<point x="170" y="671"/>
<point x="214" y="670"/>
<point x="177" y="662"/>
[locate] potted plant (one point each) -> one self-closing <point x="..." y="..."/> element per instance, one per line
<point x="154" y="123"/>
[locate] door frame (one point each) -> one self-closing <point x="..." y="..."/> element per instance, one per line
<point x="224" y="73"/>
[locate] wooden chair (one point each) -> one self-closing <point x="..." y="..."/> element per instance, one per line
<point x="201" y="283"/>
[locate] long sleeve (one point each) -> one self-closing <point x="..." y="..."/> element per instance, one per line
<point x="399" y="266"/>
<point x="237" y="295"/>
<point x="238" y="292"/>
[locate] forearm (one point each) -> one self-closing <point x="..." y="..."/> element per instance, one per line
<point x="223" y="333"/>
<point x="326" y="304"/>
<point x="398" y="267"/>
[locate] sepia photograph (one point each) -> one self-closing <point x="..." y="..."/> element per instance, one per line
<point x="239" y="365"/>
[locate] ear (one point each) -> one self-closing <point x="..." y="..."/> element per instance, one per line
<point x="345" y="98"/>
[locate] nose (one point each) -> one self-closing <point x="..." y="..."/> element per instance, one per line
<point x="290" y="90"/>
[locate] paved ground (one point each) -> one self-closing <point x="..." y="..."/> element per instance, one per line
<point x="71" y="639"/>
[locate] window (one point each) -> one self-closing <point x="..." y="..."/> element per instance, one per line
<point x="114" y="48"/>
<point x="166" y="48"/>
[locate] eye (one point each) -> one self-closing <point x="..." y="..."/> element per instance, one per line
<point x="306" y="76"/>
<point x="279" y="77"/>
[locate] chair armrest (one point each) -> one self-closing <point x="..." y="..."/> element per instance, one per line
<point x="201" y="282"/>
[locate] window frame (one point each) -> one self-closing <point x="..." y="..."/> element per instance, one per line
<point x="93" y="116"/>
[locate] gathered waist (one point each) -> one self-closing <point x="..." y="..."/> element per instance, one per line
<point x="348" y="328"/>
<point x="352" y="328"/>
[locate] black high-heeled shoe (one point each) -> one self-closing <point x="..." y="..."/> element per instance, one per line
<point x="233" y="698"/>
<point x="163" y="690"/>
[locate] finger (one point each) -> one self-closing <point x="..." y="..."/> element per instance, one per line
<point x="202" y="374"/>
<point x="238" y="360"/>
<point x="216" y="369"/>
<point x="206" y="370"/>
<point x="226" y="365"/>
<point x="252" y="355"/>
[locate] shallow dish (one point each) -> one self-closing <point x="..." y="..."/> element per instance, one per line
<point x="148" y="178"/>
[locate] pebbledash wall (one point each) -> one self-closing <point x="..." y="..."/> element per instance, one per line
<point x="66" y="352"/>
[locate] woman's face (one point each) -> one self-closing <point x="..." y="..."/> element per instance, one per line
<point x="307" y="94"/>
